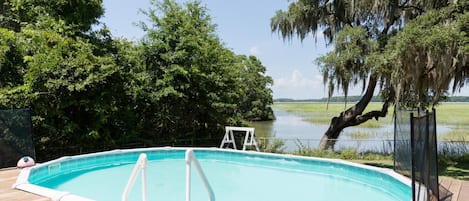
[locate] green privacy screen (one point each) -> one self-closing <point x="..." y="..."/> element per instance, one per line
<point x="15" y="136"/>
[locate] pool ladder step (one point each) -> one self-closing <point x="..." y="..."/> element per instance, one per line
<point x="141" y="164"/>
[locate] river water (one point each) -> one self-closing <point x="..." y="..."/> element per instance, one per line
<point x="296" y="133"/>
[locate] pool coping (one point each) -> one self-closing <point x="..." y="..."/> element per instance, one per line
<point x="22" y="182"/>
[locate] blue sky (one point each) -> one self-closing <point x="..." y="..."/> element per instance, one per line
<point x="244" y="27"/>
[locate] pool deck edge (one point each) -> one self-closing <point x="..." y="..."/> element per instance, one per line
<point x="8" y="178"/>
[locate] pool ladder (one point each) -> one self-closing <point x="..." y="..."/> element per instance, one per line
<point x="190" y="159"/>
<point x="141" y="164"/>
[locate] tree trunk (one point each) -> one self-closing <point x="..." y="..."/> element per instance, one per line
<point x="353" y="116"/>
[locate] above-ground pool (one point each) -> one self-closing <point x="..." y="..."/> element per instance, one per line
<point x="233" y="175"/>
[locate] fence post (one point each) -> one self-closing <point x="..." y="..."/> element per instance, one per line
<point x="412" y="151"/>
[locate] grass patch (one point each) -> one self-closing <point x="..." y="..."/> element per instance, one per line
<point x="453" y="114"/>
<point x="272" y="146"/>
<point x="456" y="134"/>
<point x="346" y="154"/>
<point x="373" y="124"/>
<point x="456" y="167"/>
<point x="321" y="113"/>
<point x="365" y="135"/>
<point x="360" y="135"/>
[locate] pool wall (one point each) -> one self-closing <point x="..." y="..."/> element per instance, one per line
<point x="30" y="176"/>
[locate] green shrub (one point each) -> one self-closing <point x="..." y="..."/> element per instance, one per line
<point x="348" y="154"/>
<point x="274" y="145"/>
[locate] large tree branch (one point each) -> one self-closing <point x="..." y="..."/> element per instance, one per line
<point x="340" y="122"/>
<point x="363" y="102"/>
<point x="404" y="7"/>
<point x="352" y="116"/>
<point x="404" y="3"/>
<point x="369" y="115"/>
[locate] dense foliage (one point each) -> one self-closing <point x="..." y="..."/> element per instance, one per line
<point x="413" y="49"/>
<point x="414" y="52"/>
<point x="89" y="91"/>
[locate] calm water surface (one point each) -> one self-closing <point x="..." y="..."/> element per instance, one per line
<point x="294" y="130"/>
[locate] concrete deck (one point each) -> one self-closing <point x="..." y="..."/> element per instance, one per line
<point x="460" y="189"/>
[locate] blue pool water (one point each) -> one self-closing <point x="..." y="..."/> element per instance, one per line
<point x="233" y="176"/>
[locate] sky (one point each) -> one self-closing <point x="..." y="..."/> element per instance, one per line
<point x="244" y="27"/>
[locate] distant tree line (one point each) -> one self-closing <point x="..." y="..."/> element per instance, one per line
<point x="90" y="91"/>
<point x="353" y="99"/>
<point x="457" y="99"/>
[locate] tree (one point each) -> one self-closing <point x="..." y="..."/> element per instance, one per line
<point x="74" y="94"/>
<point x="11" y="64"/>
<point x="74" y="87"/>
<point x="257" y="94"/>
<point x="91" y="92"/>
<point x="368" y="37"/>
<point x="430" y="54"/>
<point x="196" y="85"/>
<point x="79" y="14"/>
<point x="190" y="83"/>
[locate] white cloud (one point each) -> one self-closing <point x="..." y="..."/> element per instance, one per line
<point x="298" y="86"/>
<point x="255" y="51"/>
<point x="296" y="79"/>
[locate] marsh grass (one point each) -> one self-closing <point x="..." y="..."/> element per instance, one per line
<point x="360" y="135"/>
<point x="346" y="154"/>
<point x="456" y="135"/>
<point x="453" y="114"/>
<point x="321" y="113"/>
<point x="453" y="148"/>
<point x="372" y="124"/>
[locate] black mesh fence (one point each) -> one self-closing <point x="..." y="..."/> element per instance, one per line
<point x="15" y="136"/>
<point x="402" y="143"/>
<point x="415" y="153"/>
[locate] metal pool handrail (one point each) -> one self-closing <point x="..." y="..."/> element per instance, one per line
<point x="141" y="164"/>
<point x="190" y="158"/>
